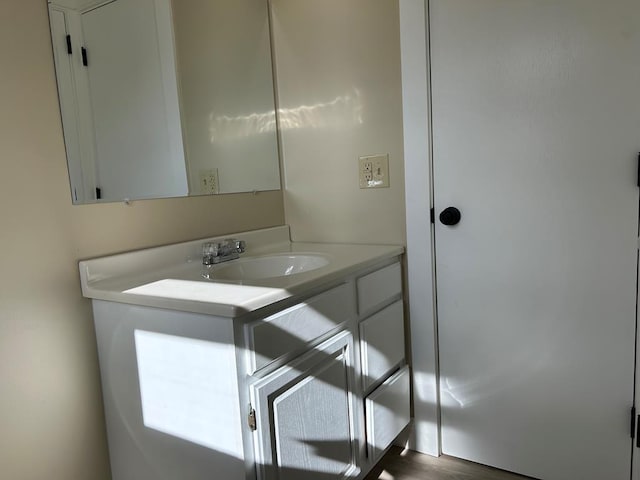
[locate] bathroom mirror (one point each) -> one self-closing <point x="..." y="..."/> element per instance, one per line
<point x="165" y="98"/>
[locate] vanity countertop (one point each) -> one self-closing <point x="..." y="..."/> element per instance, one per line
<point x="172" y="276"/>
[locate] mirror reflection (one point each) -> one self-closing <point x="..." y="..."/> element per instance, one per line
<point x="164" y="98"/>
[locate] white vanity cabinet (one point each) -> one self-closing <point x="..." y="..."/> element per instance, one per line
<point x="332" y="412"/>
<point x="314" y="386"/>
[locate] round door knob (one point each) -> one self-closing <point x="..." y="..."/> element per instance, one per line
<point x="450" y="216"/>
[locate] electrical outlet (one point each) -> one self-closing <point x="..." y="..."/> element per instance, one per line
<point x="367" y="171"/>
<point x="209" y="182"/>
<point x="374" y="171"/>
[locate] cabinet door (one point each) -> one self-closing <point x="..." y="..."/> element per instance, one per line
<point x="305" y="416"/>
<point x="387" y="413"/>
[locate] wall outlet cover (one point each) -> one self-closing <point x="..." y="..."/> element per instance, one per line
<point x="374" y="171"/>
<point x="209" y="182"/>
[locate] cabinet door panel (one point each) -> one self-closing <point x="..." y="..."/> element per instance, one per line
<point x="305" y="416"/>
<point x="387" y="412"/>
<point x="377" y="288"/>
<point x="382" y="341"/>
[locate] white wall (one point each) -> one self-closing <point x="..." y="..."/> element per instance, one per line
<point x="339" y="84"/>
<point x="50" y="400"/>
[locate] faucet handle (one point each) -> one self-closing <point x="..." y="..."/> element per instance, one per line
<point x="241" y="246"/>
<point x="209" y="252"/>
<point x="236" y="245"/>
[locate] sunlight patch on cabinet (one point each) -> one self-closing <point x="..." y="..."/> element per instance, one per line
<point x="185" y="392"/>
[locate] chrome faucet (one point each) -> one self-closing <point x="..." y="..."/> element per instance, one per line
<point x="218" y="252"/>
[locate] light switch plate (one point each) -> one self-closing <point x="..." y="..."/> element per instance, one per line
<point x="374" y="171"/>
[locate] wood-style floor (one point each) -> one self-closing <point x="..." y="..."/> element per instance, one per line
<point x="408" y="465"/>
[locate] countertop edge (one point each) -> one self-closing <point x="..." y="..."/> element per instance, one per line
<point x="231" y="311"/>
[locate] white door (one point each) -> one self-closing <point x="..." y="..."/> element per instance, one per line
<point x="536" y="131"/>
<point x="134" y="100"/>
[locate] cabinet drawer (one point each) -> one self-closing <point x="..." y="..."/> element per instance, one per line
<point x="292" y="329"/>
<point x="379" y="287"/>
<point x="381" y="343"/>
<point x="387" y="413"/>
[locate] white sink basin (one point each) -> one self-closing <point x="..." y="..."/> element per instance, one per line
<point x="268" y="266"/>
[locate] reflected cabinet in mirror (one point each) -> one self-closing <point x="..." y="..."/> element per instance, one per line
<point x="165" y="98"/>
